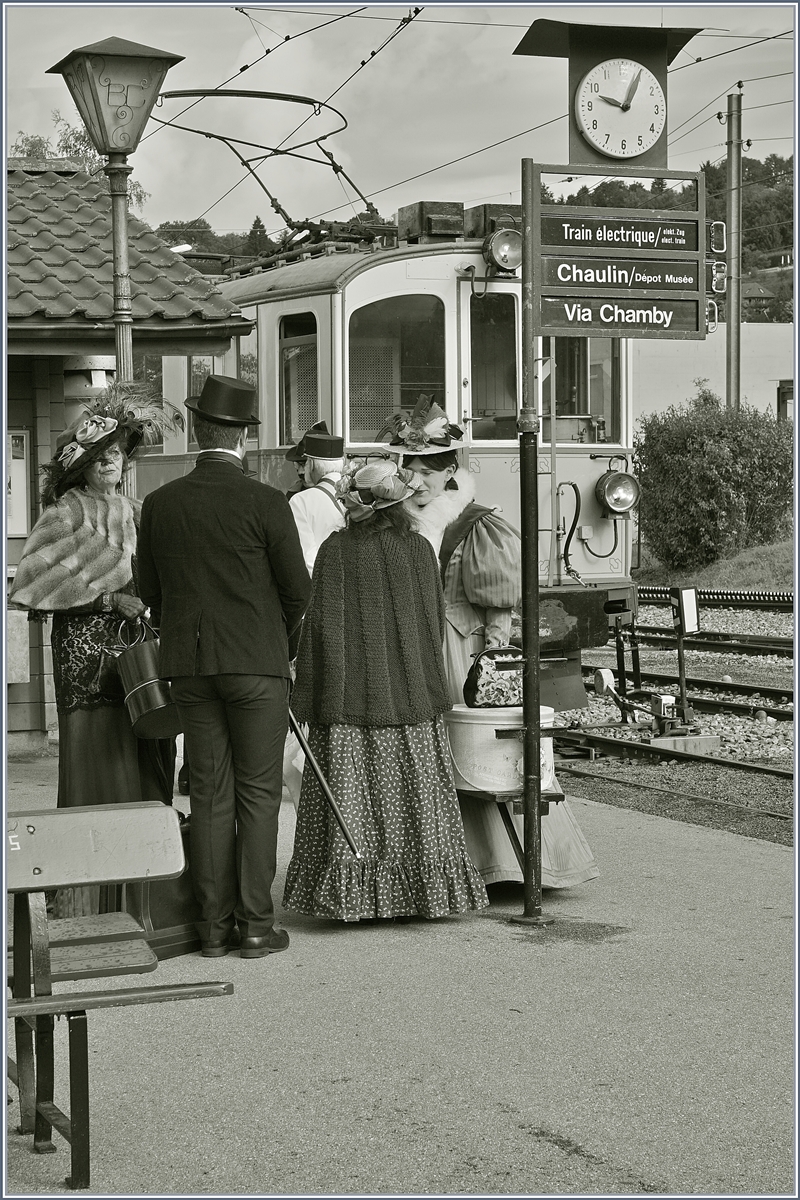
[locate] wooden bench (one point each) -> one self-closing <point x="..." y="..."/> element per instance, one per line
<point x="108" y="844"/>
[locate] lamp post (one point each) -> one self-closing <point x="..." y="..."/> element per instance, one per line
<point x="114" y="85"/>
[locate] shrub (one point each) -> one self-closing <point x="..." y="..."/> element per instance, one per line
<point x="714" y="480"/>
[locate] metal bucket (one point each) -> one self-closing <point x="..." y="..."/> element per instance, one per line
<point x="147" y="697"/>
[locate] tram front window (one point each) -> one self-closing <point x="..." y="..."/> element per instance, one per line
<point x="299" y="408"/>
<point x="493" y="330"/>
<point x="396" y="353"/>
<point x="588" y="408"/>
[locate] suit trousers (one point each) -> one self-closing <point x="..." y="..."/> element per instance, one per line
<point x="234" y="729"/>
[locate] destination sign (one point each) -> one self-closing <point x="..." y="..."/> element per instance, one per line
<point x="657" y="317"/>
<point x="569" y="271"/>
<point x="619" y="233"/>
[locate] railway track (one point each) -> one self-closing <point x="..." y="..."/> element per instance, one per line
<point x="582" y="773"/>
<point x="585" y="739"/>
<point x="722" y="598"/>
<point x="774" y="701"/>
<point x="722" y="643"/>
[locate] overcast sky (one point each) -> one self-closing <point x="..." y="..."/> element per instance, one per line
<point x="446" y="86"/>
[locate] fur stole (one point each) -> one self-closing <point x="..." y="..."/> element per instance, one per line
<point x="79" y="548"/>
<point x="433" y="519"/>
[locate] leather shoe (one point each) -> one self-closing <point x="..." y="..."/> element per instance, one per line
<point x="217" y="948"/>
<point x="268" y="943"/>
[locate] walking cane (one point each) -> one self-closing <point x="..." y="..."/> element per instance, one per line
<point x="323" y="783"/>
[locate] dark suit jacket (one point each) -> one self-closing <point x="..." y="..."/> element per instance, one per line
<point x="221" y="566"/>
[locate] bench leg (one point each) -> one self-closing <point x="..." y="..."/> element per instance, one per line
<point x="45" y="1072"/>
<point x="78" y="1100"/>
<point x="512" y="836"/>
<point x="26" y="1075"/>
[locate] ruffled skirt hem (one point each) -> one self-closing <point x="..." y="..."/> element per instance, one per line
<point x="361" y="889"/>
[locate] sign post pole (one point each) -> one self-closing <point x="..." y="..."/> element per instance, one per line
<point x="528" y="426"/>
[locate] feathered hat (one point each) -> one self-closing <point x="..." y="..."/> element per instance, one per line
<point x="375" y="485"/>
<point x="125" y="414"/>
<point x="426" y="431"/>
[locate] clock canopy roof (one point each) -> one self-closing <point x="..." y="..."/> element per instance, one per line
<point x="552" y="39"/>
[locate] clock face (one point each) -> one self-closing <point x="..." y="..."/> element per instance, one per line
<point x="620" y="108"/>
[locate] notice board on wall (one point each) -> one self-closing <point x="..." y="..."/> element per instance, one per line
<point x="18" y="483"/>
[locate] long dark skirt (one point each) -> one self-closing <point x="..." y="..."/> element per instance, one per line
<point x="395" y="788"/>
<point x="101" y="760"/>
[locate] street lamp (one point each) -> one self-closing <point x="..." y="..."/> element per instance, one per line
<point x="114" y="85"/>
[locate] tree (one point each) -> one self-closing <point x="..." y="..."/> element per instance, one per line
<point x="73" y="142"/>
<point x="714" y="480"/>
<point x="257" y="240"/>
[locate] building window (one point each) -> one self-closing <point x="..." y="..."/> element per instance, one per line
<point x="493" y="377"/>
<point x="588" y="407"/>
<point x="396" y="353"/>
<point x="297" y="349"/>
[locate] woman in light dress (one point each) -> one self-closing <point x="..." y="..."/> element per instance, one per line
<point x="479" y="555"/>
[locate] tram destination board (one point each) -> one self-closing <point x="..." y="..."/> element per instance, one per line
<point x="633" y="271"/>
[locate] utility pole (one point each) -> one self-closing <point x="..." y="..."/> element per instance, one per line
<point x="733" y="216"/>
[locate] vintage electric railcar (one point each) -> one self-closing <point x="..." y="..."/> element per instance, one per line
<point x="352" y="332"/>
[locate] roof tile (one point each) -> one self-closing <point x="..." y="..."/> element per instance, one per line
<point x="60" y="256"/>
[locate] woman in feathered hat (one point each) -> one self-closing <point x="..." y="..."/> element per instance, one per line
<point x="78" y="564"/>
<point x="480" y="559"/>
<point x="371" y="685"/>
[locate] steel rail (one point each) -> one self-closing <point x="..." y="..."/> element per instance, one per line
<point x="626" y="748"/>
<point x="758" y="697"/>
<point x="652" y="787"/>
<point x="722" y="598"/>
<point x="719" y="643"/>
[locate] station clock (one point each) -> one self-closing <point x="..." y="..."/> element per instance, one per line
<point x="620" y="108"/>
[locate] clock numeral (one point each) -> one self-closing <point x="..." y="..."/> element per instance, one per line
<point x="652" y="91"/>
<point x="594" y="87"/>
<point x="640" y="140"/>
<point x="589" y="105"/>
<point x="608" y="135"/>
<point x="655" y="109"/>
<point x="622" y="144"/>
<point x="594" y="124"/>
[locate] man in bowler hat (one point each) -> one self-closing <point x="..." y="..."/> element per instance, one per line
<point x="221" y="566"/>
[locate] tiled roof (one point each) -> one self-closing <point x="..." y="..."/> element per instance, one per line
<point x="60" y="257"/>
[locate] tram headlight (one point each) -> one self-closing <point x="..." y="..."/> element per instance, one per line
<point x="618" y="493"/>
<point x="503" y="249"/>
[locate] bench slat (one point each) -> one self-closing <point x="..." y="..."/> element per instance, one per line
<point x="84" y="1001"/>
<point x="97" y="960"/>
<point x="100" y="927"/>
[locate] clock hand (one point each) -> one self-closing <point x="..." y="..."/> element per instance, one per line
<point x="626" y="103"/>
<point x="611" y="100"/>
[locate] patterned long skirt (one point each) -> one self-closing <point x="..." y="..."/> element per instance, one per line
<point x="396" y="792"/>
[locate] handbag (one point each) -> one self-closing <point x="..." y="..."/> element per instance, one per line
<point x="148" y="698"/>
<point x="495" y="679"/>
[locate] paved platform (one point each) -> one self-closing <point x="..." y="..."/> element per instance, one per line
<point x="642" y="1043"/>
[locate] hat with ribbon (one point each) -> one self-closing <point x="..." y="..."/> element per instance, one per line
<point x="374" y="486"/>
<point x="124" y="414"/>
<point x="297" y="453"/>
<point x="426" y="431"/>
<point x="226" y="401"/>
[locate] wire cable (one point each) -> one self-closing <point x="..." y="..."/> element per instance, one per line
<point x="733" y="50"/>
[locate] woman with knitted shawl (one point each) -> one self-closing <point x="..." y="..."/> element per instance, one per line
<point x="372" y="687"/>
<point x="78" y="565"/>
<point x="480" y="559"/>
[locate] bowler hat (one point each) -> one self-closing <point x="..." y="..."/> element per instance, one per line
<point x="323" y="445"/>
<point x="298" y="452"/>
<point x="226" y="401"/>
